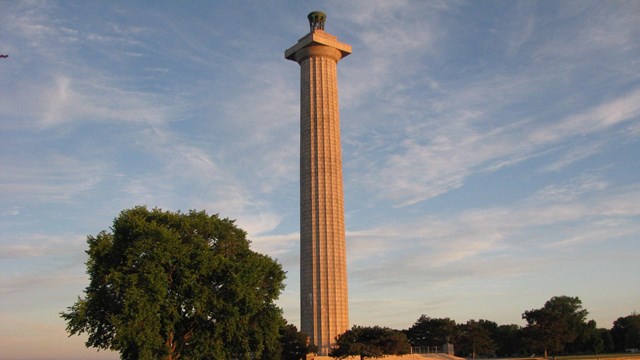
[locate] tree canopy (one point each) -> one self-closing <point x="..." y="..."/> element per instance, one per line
<point x="427" y="331"/>
<point x="475" y="338"/>
<point x="626" y="332"/>
<point x="560" y="326"/>
<point x="508" y="340"/>
<point x="559" y="322"/>
<point x="169" y="285"/>
<point x="370" y="342"/>
<point x="295" y="344"/>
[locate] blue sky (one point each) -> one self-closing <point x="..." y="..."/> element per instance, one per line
<point x="491" y="149"/>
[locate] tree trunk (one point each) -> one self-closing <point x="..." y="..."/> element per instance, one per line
<point x="171" y="348"/>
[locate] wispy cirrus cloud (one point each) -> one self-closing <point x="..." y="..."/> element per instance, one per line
<point x="390" y="41"/>
<point x="611" y="31"/>
<point x="69" y="100"/>
<point x="434" y="162"/>
<point x="161" y="164"/>
<point x="605" y="115"/>
<point x="575" y="154"/>
<point x="426" y="144"/>
<point x="28" y="245"/>
<point x="570" y="190"/>
<point x="51" y="178"/>
<point x="283" y="247"/>
<point x="64" y="87"/>
<point x="494" y="236"/>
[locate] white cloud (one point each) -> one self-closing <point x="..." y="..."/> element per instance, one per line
<point x="11" y="284"/>
<point x="522" y="29"/>
<point x="41" y="245"/>
<point x="98" y="99"/>
<point x="603" y="30"/>
<point x="597" y="233"/>
<point x="50" y="178"/>
<point x="575" y="154"/>
<point x="10" y="212"/>
<point x="570" y="190"/>
<point x="435" y="160"/>
<point x="266" y="121"/>
<point x="605" y="115"/>
<point x="478" y="242"/>
<point x="390" y="41"/>
<point x="276" y="245"/>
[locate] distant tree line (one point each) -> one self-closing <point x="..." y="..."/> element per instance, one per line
<point x="560" y="327"/>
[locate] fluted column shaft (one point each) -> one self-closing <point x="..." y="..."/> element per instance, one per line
<point x="324" y="304"/>
<point x="323" y="268"/>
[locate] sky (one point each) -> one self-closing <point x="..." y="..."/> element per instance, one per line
<point x="491" y="149"/>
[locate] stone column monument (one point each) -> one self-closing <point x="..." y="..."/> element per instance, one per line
<point x="323" y="264"/>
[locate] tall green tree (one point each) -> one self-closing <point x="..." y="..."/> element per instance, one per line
<point x="607" y="340"/>
<point x="475" y="338"/>
<point x="428" y="331"/>
<point x="295" y="344"/>
<point x="626" y="332"/>
<point x="169" y="285"/>
<point x="587" y="341"/>
<point x="370" y="342"/>
<point x="551" y="327"/>
<point x="508" y="340"/>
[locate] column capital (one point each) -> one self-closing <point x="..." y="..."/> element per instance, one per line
<point x="317" y="39"/>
